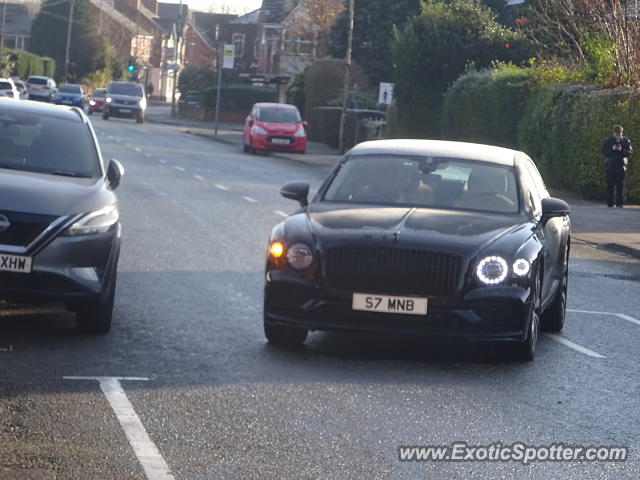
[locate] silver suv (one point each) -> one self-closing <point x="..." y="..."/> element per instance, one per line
<point x="41" y="88"/>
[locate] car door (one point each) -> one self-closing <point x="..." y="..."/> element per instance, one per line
<point x="248" y="123"/>
<point x="551" y="234"/>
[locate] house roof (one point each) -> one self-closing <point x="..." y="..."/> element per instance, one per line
<point x="118" y="17"/>
<point x="205" y="23"/>
<point x="248" y="18"/>
<point x="16" y="19"/>
<point x="274" y="11"/>
<point x="172" y="11"/>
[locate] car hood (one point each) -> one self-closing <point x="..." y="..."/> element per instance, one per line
<point x="460" y="231"/>
<point x="274" y="127"/>
<point x="46" y="194"/>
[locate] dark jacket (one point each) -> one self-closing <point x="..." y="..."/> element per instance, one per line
<point x="616" y="159"/>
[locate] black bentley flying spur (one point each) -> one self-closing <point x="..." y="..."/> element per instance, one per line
<point x="445" y="240"/>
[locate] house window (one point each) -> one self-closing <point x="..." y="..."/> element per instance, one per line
<point x="238" y="42"/>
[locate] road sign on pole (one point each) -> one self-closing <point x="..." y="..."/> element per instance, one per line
<point x="229" y="56"/>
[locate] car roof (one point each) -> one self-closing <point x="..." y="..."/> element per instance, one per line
<point x="440" y="148"/>
<point x="39" y="108"/>
<point x="38" y="76"/>
<point x="284" y="106"/>
<point x="9" y="80"/>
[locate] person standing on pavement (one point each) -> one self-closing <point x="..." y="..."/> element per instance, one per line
<point x="616" y="149"/>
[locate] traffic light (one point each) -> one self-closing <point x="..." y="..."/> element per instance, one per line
<point x="132" y="64"/>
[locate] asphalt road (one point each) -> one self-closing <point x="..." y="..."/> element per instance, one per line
<point x="215" y="401"/>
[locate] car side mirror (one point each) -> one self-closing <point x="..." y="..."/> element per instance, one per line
<point x="296" y="191"/>
<point x="554" y="207"/>
<point x="115" y="171"/>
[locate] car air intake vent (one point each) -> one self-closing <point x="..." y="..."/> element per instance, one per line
<point x="24" y="228"/>
<point x="391" y="270"/>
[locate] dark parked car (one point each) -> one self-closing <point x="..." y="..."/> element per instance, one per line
<point x="59" y="220"/>
<point x="70" y="94"/>
<point x="125" y="99"/>
<point x="444" y="240"/>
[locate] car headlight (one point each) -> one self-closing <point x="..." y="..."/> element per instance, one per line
<point x="92" y="102"/>
<point x="108" y="100"/>
<point x="259" y="130"/>
<point x="100" y="221"/>
<point x="492" y="270"/>
<point x="300" y="132"/>
<point x="276" y="249"/>
<point x="299" y="256"/>
<point x="521" y="267"/>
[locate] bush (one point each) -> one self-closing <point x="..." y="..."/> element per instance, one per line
<point x="235" y="97"/>
<point x="486" y="106"/>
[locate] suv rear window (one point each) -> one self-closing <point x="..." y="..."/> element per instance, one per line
<point x="40" y="143"/>
<point x="5" y="86"/>
<point x="37" y="81"/>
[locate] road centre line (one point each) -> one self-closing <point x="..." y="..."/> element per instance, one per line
<point x="180" y="169"/>
<point x="281" y="213"/>
<point x="622" y="316"/>
<point x="145" y="450"/>
<point x="136" y="149"/>
<point x="198" y="177"/>
<point x="574" y="346"/>
<point x="221" y="187"/>
<point x="163" y="162"/>
<point x="148" y="155"/>
<point x="250" y="199"/>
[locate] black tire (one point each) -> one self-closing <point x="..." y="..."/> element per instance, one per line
<point x="526" y="350"/>
<point x="252" y="149"/>
<point x="140" y="118"/>
<point x="284" y="335"/>
<point x="105" y="116"/>
<point x="96" y="318"/>
<point x="245" y="149"/>
<point x="89" y="112"/>
<point x="553" y="317"/>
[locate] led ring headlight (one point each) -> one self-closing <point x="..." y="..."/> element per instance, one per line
<point x="299" y="256"/>
<point x="492" y="270"/>
<point x="521" y="267"/>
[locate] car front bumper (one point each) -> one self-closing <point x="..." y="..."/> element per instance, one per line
<point x="487" y="314"/>
<point x="266" y="142"/>
<point x="123" y="111"/>
<point x="72" y="270"/>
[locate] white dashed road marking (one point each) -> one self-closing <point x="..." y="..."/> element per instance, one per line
<point x="148" y="155"/>
<point x="628" y="318"/>
<point x="164" y="162"/>
<point x="137" y="150"/>
<point x="221" y="187"/>
<point x="180" y="169"/>
<point x="281" y="213"/>
<point x="148" y="454"/>
<point x="250" y="200"/>
<point x="574" y="346"/>
<point x="198" y="177"/>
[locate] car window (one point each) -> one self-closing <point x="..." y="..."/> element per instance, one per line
<point x="37" y="81"/>
<point x="125" y="89"/>
<point x="537" y="178"/>
<point x="425" y="182"/>
<point x="70" y="89"/>
<point x="278" y="115"/>
<point x="99" y="93"/>
<point x="40" y="143"/>
<point x="5" y="86"/>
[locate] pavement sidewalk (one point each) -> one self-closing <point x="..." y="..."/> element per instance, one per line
<point x="614" y="229"/>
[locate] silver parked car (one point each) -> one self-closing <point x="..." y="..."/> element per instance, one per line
<point x="59" y="218"/>
<point x="41" y="88"/>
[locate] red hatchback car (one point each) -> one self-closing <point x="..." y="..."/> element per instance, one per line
<point x="275" y="126"/>
<point x="96" y="104"/>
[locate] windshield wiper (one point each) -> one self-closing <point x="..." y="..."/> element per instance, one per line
<point x="67" y="173"/>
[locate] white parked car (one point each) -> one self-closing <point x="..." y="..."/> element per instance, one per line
<point x="22" y="88"/>
<point x="41" y="88"/>
<point x="8" y="89"/>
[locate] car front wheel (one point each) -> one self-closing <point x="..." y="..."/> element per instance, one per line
<point x="526" y="350"/>
<point x="96" y="318"/>
<point x="553" y="317"/>
<point x="285" y="335"/>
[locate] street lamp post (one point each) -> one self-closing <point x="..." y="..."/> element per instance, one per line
<point x="347" y="75"/>
<point x="66" y="54"/>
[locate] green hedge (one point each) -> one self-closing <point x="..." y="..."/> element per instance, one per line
<point x="560" y="126"/>
<point x="234" y="98"/>
<point x="22" y="64"/>
<point x="487" y="106"/>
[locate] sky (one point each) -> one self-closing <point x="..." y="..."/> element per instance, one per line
<point x="221" y="6"/>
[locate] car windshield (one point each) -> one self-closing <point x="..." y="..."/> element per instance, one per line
<point x="100" y="93"/>
<point x="125" y="89"/>
<point x="37" y="81"/>
<point x="431" y="182"/>
<point x="69" y="89"/>
<point x="278" y="115"/>
<point x="5" y="86"/>
<point x="46" y="144"/>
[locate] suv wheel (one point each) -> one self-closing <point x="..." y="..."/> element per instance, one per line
<point x="96" y="318"/>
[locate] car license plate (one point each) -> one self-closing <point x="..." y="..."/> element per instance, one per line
<point x="14" y="263"/>
<point x="67" y="102"/>
<point x="282" y="141"/>
<point x="125" y="110"/>
<point x="389" y="304"/>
